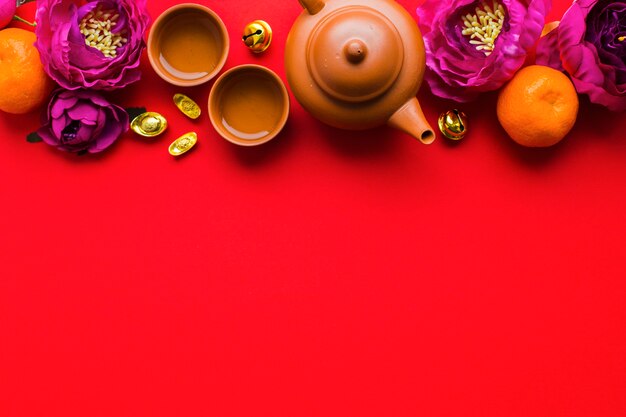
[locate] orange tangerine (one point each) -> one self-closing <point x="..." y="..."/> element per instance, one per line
<point x="24" y="85"/>
<point x="538" y="107"/>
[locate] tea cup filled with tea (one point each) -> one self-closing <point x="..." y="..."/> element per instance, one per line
<point x="188" y="45"/>
<point x="249" y="105"/>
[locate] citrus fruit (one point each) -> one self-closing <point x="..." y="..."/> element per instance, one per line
<point x="24" y="85"/>
<point x="538" y="107"/>
<point x="7" y="10"/>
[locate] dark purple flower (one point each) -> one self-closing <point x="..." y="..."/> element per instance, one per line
<point x="464" y="58"/>
<point x="590" y="44"/>
<point x="94" y="45"/>
<point x="82" y="120"/>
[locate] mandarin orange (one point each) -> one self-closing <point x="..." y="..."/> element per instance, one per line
<point x="538" y="107"/>
<point x="24" y="85"/>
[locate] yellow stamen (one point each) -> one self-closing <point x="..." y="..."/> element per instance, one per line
<point x="96" y="27"/>
<point x="484" y="27"/>
<point x="621" y="38"/>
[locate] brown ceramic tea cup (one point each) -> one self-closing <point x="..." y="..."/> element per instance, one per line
<point x="188" y="45"/>
<point x="249" y="105"/>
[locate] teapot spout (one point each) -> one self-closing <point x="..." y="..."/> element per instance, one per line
<point x="410" y="119"/>
<point x="312" y="6"/>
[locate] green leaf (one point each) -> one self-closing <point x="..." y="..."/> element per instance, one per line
<point x="134" y="112"/>
<point x="33" y="138"/>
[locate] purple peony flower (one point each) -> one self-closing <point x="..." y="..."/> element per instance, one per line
<point x="82" y="120"/>
<point x="590" y="44"/>
<point x="477" y="46"/>
<point x="94" y="45"/>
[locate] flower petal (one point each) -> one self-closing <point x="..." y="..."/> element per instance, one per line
<point x="589" y="50"/>
<point x="548" y="51"/>
<point x="80" y="120"/>
<point x="73" y="64"/>
<point x="455" y="69"/>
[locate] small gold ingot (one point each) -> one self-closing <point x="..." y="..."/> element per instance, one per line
<point x="183" y="144"/>
<point x="257" y="36"/>
<point x="453" y="124"/>
<point x="189" y="107"/>
<point x="149" y="124"/>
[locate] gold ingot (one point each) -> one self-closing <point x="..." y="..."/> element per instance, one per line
<point x="189" y="107"/>
<point x="257" y="36"/>
<point x="183" y="144"/>
<point x="149" y="124"/>
<point x="453" y="124"/>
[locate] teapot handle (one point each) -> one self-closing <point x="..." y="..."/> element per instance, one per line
<point x="312" y="6"/>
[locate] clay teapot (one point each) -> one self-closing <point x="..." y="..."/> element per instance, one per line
<point x="358" y="64"/>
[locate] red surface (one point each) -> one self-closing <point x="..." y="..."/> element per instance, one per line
<point x="324" y="274"/>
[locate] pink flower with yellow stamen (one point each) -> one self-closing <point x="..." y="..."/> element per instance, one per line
<point x="94" y="45"/>
<point x="476" y="46"/>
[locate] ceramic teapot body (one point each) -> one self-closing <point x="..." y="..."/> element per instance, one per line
<point x="358" y="66"/>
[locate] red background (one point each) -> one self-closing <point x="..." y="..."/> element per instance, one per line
<point x="323" y="274"/>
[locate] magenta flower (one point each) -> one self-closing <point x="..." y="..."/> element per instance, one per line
<point x="82" y="121"/>
<point x="7" y="10"/>
<point x="95" y="45"/>
<point x="590" y="44"/>
<point x="476" y="46"/>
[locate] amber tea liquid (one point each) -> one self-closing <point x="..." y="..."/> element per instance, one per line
<point x="191" y="47"/>
<point x="252" y="107"/>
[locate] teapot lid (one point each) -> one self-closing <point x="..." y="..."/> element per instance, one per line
<point x="355" y="54"/>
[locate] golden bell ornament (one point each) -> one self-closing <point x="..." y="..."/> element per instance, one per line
<point x="453" y="124"/>
<point x="257" y="36"/>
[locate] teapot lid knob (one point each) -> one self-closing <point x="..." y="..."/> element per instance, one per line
<point x="355" y="54"/>
<point x="355" y="51"/>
